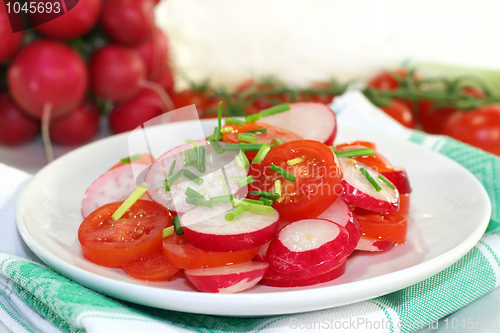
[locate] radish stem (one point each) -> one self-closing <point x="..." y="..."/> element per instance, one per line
<point x="47" y="109"/>
<point x="161" y="92"/>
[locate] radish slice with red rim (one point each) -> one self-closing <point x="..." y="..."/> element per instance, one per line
<point x="115" y="185"/>
<point x="307" y="248"/>
<point x="373" y="245"/>
<point x="227" y="279"/>
<point x="360" y="192"/>
<point x="208" y="229"/>
<point x="399" y="178"/>
<point x="312" y="121"/>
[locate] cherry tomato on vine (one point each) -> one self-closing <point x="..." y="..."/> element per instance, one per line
<point x="199" y="97"/>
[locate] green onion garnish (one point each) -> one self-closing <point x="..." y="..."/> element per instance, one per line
<point x="242" y="160"/>
<point x="176" y="223"/>
<point x="219" y="117"/>
<point x="201" y="159"/>
<point x="256" y="208"/>
<point x="193" y="177"/>
<point x="282" y="172"/>
<point x="246" y="138"/>
<point x="277" y="187"/>
<point x="266" y="201"/>
<point x="199" y="202"/>
<point x="333" y="148"/>
<point x="253" y="118"/>
<point x="193" y="194"/>
<point x="171" y="171"/>
<point x="168" y="231"/>
<point x="221" y="198"/>
<point x="372" y="181"/>
<point x="226" y="129"/>
<point x="258" y="130"/>
<point x="275" y="109"/>
<point x="130" y="201"/>
<point x="244" y="146"/>
<point x="186" y="154"/>
<point x="257" y="202"/>
<point x="235" y="121"/>
<point x="356" y="152"/>
<point x="261" y="154"/>
<point x="194" y="155"/>
<point x="294" y="161"/>
<point x="217" y="146"/>
<point x="171" y="179"/>
<point x="276" y="142"/>
<point x="245" y="181"/>
<point x="231" y="216"/>
<point x="129" y="159"/>
<point x="388" y="183"/>
<point x="272" y="195"/>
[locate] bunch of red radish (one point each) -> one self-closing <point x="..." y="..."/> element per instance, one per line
<point x="49" y="80"/>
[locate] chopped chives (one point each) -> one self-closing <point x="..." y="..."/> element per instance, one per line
<point x="232" y="215"/>
<point x="282" y="172"/>
<point x="219" y="118"/>
<point x="217" y="146"/>
<point x="277" y="142"/>
<point x="257" y="202"/>
<point x="235" y="121"/>
<point x="130" y="201"/>
<point x="253" y="118"/>
<point x="221" y="198"/>
<point x="246" y="138"/>
<point x="171" y="179"/>
<point x="193" y="177"/>
<point x="242" y="160"/>
<point x="271" y="195"/>
<point x="333" y="148"/>
<point x="176" y="223"/>
<point x="258" y="130"/>
<point x="372" y="181"/>
<point x="186" y="154"/>
<point x="129" y="159"/>
<point x="245" y="181"/>
<point x="266" y="201"/>
<point x="251" y="207"/>
<point x="226" y="129"/>
<point x="194" y="155"/>
<point x="294" y="161"/>
<point x="275" y="109"/>
<point x="277" y="187"/>
<point x="171" y="171"/>
<point x="193" y="194"/>
<point x="356" y="152"/>
<point x="202" y="192"/>
<point x="261" y="154"/>
<point x="199" y="202"/>
<point x="388" y="183"/>
<point x="201" y="159"/>
<point x="244" y="146"/>
<point x="189" y="140"/>
<point x="168" y="231"/>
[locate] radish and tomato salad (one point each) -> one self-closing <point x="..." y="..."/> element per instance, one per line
<point x="252" y="203"/>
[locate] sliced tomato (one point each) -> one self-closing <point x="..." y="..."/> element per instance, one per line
<point x="180" y="253"/>
<point x="317" y="184"/>
<point x="155" y="268"/>
<point x="136" y="235"/>
<point x="384" y="227"/>
<point x="404" y="204"/>
<point x="144" y="159"/>
<point x="377" y="161"/>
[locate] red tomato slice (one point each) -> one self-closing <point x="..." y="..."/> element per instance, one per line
<point x="155" y="268"/>
<point x="180" y="253"/>
<point x="377" y="161"/>
<point x="136" y="235"/>
<point x="317" y="183"/>
<point x="404" y="204"/>
<point x="385" y="227"/>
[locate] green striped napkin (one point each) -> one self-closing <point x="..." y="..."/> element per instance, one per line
<point x="33" y="298"/>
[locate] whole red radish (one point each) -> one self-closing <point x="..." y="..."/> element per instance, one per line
<point x="166" y="80"/>
<point x="155" y="53"/>
<point x="47" y="73"/>
<point x="75" y="23"/>
<point x="128" y="22"/>
<point x="116" y="73"/>
<point x="15" y="126"/>
<point x="133" y="113"/>
<point x="9" y="41"/>
<point x="77" y="127"/>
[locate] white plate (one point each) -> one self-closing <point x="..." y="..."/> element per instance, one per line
<point x="449" y="212"/>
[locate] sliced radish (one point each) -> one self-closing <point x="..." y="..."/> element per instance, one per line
<point x="208" y="229"/>
<point x="227" y="279"/>
<point x="312" y="121"/>
<point x="274" y="279"/>
<point x="262" y="253"/>
<point x="115" y="185"/>
<point x="360" y="192"/>
<point x="340" y="212"/>
<point x="399" y="178"/>
<point x="373" y="245"/>
<point x="307" y="248"/>
<point x="214" y="183"/>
